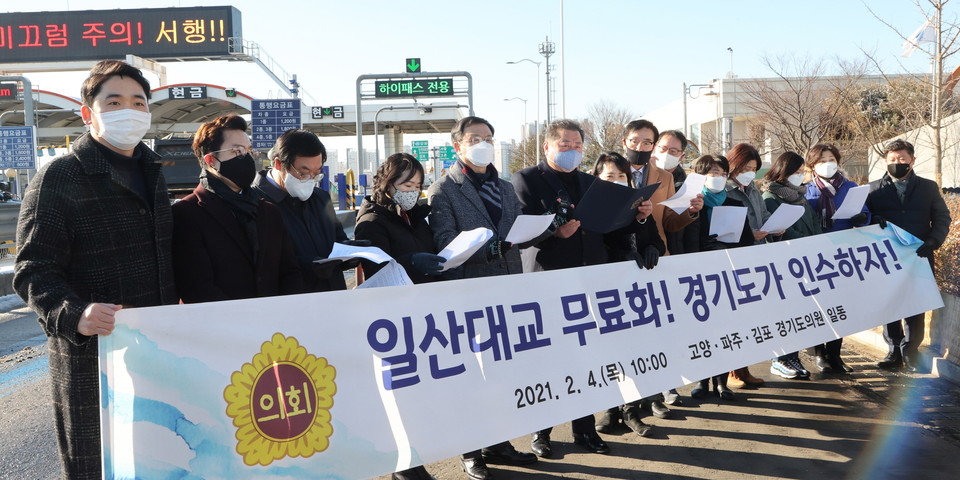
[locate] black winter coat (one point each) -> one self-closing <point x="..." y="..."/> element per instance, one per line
<point x="85" y="236"/>
<point x="538" y="188"/>
<point x="383" y="226"/>
<point x="213" y="258"/>
<point x="313" y="227"/>
<point x="923" y="212"/>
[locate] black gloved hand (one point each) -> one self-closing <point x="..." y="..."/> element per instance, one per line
<point x="926" y="250"/>
<point x="650" y="257"/>
<point x="709" y="243"/>
<point x="326" y="268"/>
<point x="427" y="263"/>
<point x="357" y="243"/>
<point x="497" y="249"/>
<point x="881" y="221"/>
<point x="859" y="219"/>
<point x="635" y="256"/>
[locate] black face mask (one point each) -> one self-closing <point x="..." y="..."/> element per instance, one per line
<point x="638" y="158"/>
<point x="240" y="170"/>
<point x="898" y="170"/>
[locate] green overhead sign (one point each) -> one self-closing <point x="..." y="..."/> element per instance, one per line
<point x="413" y="65"/>
<point x="413" y="88"/>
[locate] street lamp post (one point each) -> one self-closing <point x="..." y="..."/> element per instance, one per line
<point x="524" y="100"/>
<point x="538" y="100"/>
<point x="686" y="93"/>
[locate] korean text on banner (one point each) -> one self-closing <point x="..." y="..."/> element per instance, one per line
<point x="296" y="387"/>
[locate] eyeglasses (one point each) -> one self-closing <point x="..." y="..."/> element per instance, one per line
<point x="238" y="151"/>
<point x="477" y="139"/>
<point x="303" y="177"/>
<point x="672" y="151"/>
<point x="633" y="142"/>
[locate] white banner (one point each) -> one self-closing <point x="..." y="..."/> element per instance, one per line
<point x="360" y="383"/>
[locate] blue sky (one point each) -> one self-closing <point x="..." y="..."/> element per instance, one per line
<point x="635" y="54"/>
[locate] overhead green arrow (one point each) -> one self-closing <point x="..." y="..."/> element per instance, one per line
<point x="413" y="65"/>
<point x="327" y="111"/>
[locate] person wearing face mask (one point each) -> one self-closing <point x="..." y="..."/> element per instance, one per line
<point x="785" y="186"/>
<point x="640" y="241"/>
<point x="744" y="162"/>
<point x="914" y="204"/>
<point x="667" y="155"/>
<point x="93" y="237"/>
<point x="715" y="168"/>
<point x="469" y="196"/>
<point x="648" y="151"/>
<point x="292" y="184"/>
<point x="228" y="243"/>
<point x="825" y="193"/>
<point x="543" y="188"/>
<point x="641" y="143"/>
<point x="394" y="220"/>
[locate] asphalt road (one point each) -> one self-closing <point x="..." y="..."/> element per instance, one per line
<point x="28" y="448"/>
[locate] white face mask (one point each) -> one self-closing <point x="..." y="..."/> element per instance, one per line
<point x="480" y="155"/>
<point x="746" y="177"/>
<point x="826" y="169"/>
<point x="621" y="182"/>
<point x="301" y="189"/>
<point x="123" y="128"/>
<point x="667" y="161"/>
<point x="796" y="179"/>
<point x="715" y="184"/>
<point x="406" y="200"/>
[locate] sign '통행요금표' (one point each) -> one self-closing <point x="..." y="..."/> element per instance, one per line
<point x="36" y="37"/>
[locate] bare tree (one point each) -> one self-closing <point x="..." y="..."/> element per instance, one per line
<point x="798" y="108"/>
<point x="604" y="130"/>
<point x="524" y="154"/>
<point x="945" y="46"/>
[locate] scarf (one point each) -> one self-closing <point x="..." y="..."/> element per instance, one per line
<point x="828" y="190"/>
<point x="788" y="193"/>
<point x="243" y="204"/>
<point x="488" y="187"/>
<point x="711" y="200"/>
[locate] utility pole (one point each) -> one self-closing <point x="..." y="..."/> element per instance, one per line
<point x="547" y="48"/>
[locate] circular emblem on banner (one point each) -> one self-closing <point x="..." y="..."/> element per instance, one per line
<point x="280" y="402"/>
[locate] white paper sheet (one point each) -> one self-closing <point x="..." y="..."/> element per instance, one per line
<point x="391" y="275"/>
<point x="374" y="254"/>
<point x="852" y="202"/>
<point x="727" y="223"/>
<point x="782" y="218"/>
<point x="528" y="227"/>
<point x="462" y="247"/>
<point x="690" y="188"/>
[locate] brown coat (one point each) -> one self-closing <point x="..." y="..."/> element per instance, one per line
<point x="667" y="219"/>
<point x="213" y="259"/>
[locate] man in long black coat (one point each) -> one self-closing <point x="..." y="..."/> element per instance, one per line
<point x="914" y="204"/>
<point x="94" y="237"/>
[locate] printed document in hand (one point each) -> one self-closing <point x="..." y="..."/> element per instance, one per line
<point x="690" y="188"/>
<point x="727" y="223"/>
<point x="606" y="206"/>
<point x="465" y="245"/>
<point x="391" y="275"/>
<point x="374" y="254"/>
<point x="852" y="203"/>
<point x="528" y="227"/>
<point x="782" y="218"/>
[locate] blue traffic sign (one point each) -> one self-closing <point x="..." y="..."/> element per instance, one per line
<point x="18" y="147"/>
<point x="269" y="118"/>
